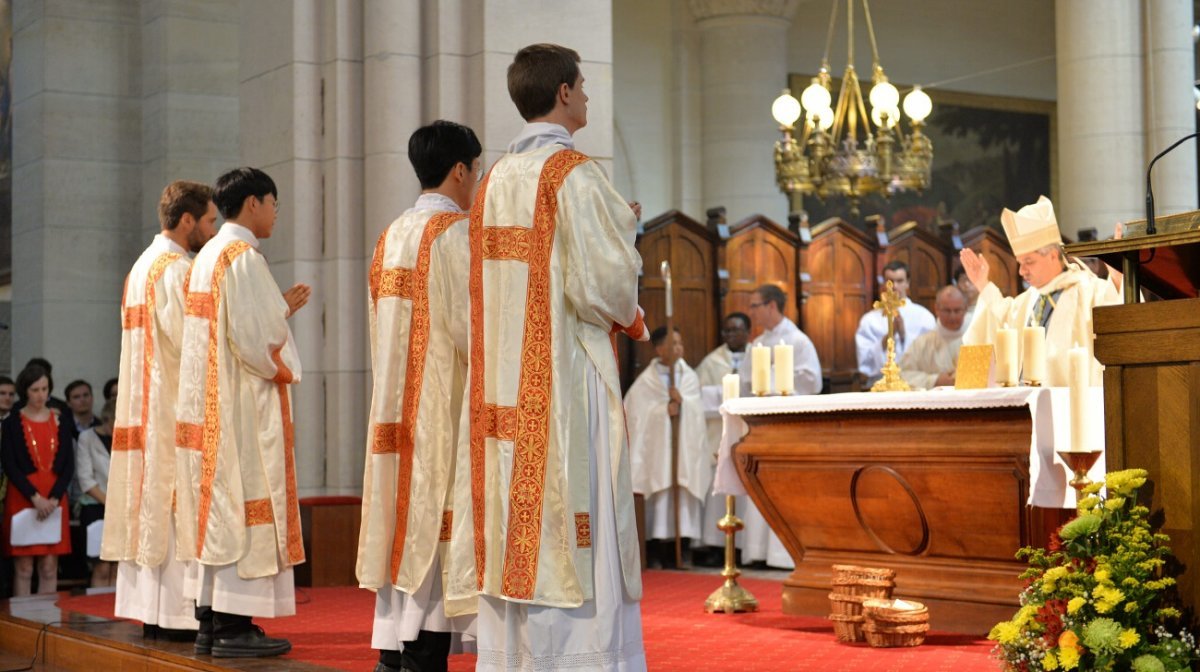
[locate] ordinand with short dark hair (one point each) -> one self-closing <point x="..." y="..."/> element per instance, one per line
<point x="436" y="149"/>
<point x="183" y="196"/>
<point x="234" y="186"/>
<point x="536" y="73"/>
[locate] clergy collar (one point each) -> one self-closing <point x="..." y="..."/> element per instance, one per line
<point x="241" y="233"/>
<point x="171" y="245"/>
<point x="538" y="134"/>
<point x="432" y="200"/>
<point x="947" y="335"/>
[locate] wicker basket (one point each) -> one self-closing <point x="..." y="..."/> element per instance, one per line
<point x="856" y="572"/>
<point x="893" y="623"/>
<point x="863" y="587"/>
<point x="902" y="635"/>
<point x="846" y="605"/>
<point x="848" y="628"/>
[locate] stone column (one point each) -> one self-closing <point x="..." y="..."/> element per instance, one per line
<point x="1100" y="100"/>
<point x="77" y="176"/>
<point x="1170" y="107"/>
<point x="743" y="68"/>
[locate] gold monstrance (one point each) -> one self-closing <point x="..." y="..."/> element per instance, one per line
<point x="889" y="302"/>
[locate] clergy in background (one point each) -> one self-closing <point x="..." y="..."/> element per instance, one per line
<point x="649" y="407"/>
<point x="933" y="358"/>
<point x="870" y="341"/>
<point x="727" y="358"/>
<point x="419" y="307"/>
<point x="544" y="527"/>
<point x="139" y="525"/>
<point x="1060" y="297"/>
<point x="238" y="512"/>
<point x="969" y="291"/>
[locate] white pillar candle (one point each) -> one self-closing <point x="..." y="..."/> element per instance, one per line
<point x="783" y="369"/>
<point x="1033" y="354"/>
<point x="1080" y="368"/>
<point x="760" y="369"/>
<point x="731" y="386"/>
<point x="1006" y="356"/>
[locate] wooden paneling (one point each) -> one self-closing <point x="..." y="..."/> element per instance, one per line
<point x="928" y="258"/>
<point x="760" y="252"/>
<point x="994" y="247"/>
<point x="840" y="263"/>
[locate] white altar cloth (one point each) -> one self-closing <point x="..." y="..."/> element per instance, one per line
<point x="1049" y="409"/>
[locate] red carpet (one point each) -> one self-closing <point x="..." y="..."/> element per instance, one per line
<point x="333" y="628"/>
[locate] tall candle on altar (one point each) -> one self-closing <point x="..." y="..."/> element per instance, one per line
<point x="1080" y="384"/>
<point x="731" y="386"/>
<point x="1033" y="347"/>
<point x="760" y="369"/>
<point x="1006" y="357"/>
<point x="783" y="369"/>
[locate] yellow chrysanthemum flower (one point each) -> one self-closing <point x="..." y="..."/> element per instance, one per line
<point x="1128" y="638"/>
<point x="1069" y="658"/>
<point x="1075" y="604"/>
<point x="1005" y="632"/>
<point x="1049" y="662"/>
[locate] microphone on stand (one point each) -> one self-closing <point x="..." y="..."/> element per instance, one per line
<point x="1150" y="230"/>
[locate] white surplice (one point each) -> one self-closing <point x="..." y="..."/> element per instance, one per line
<point x="711" y="372"/>
<point x="547" y="533"/>
<point x="806" y="365"/>
<point x="239" y="514"/>
<point x="418" y="325"/>
<point x="869" y="340"/>
<point x="932" y="354"/>
<point x="1070" y="323"/>
<point x="650" y="450"/>
<point x="139" y="527"/>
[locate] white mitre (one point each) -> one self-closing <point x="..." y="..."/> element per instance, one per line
<point x="1032" y="227"/>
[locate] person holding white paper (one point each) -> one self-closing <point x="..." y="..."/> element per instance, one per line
<point x="36" y="453"/>
<point x="93" y="453"/>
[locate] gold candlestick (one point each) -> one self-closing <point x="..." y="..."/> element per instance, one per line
<point x="730" y="598"/>
<point x="889" y="302"/>
<point x="1080" y="462"/>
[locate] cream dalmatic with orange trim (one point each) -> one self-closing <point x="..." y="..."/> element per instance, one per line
<point x="553" y="268"/>
<point x="419" y="313"/>
<point x="235" y="448"/>
<point x="141" y="477"/>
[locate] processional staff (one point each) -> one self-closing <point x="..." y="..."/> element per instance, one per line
<point x="671" y="394"/>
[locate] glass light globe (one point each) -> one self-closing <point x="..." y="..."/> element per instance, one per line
<point x="893" y="116"/>
<point x="884" y="95"/>
<point x="917" y="104"/>
<point x="816" y="97"/>
<point x="823" y="119"/>
<point x="786" y="109"/>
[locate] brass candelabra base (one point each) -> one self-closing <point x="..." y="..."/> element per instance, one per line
<point x="1080" y="462"/>
<point x="730" y="598"/>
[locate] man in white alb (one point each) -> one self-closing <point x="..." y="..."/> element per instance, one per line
<point x="933" y="358"/>
<point x="870" y="340"/>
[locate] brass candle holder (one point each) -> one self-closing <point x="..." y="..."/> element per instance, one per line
<point x="1080" y="462"/>
<point x="730" y="598"/>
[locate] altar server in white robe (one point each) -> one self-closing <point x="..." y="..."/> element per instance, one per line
<point x="727" y="358"/>
<point x="547" y="533"/>
<point x="870" y="341"/>
<point x="139" y="525"/>
<point x="1060" y="297"/>
<point x="932" y="359"/>
<point x="649" y="408"/>
<point x="419" y="308"/>
<point x="759" y="543"/>
<point x="239" y="516"/>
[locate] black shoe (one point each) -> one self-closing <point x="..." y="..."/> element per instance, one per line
<point x="252" y="643"/>
<point x="204" y="643"/>
<point x="381" y="667"/>
<point x="177" y="635"/>
<point x="149" y="631"/>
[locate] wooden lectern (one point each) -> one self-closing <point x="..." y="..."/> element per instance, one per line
<point x="1151" y="354"/>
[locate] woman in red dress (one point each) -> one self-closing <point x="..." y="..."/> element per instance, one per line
<point x="37" y="456"/>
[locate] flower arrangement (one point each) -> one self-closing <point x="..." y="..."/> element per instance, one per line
<point x="1094" y="600"/>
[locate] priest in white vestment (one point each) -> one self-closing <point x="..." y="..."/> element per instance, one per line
<point x="932" y="359"/>
<point x="544" y="526"/>
<point x="759" y="543"/>
<point x="870" y="341"/>
<point x="419" y="307"/>
<point x="727" y="358"/>
<point x="1060" y="297"/>
<point x="238" y="512"/>
<point x="969" y="291"/>
<point x="139" y="523"/>
<point x="650" y="406"/>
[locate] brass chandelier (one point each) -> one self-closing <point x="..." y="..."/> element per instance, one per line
<point x="837" y="154"/>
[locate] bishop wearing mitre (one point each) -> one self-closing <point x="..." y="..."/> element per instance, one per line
<point x="1061" y="295"/>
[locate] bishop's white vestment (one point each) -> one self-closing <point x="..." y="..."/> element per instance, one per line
<point x="544" y="527"/>
<point x="869" y="339"/>
<point x="239" y="516"/>
<point x="650" y="450"/>
<point x="932" y="354"/>
<point x="1065" y="312"/>
<point x="419" y="308"/>
<point x="139" y="526"/>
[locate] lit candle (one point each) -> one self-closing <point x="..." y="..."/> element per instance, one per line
<point x="1080" y="382"/>
<point x="760" y="369"/>
<point x="1033" y="346"/>
<point x="1006" y="357"/>
<point x="731" y="386"/>
<point x="783" y="369"/>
